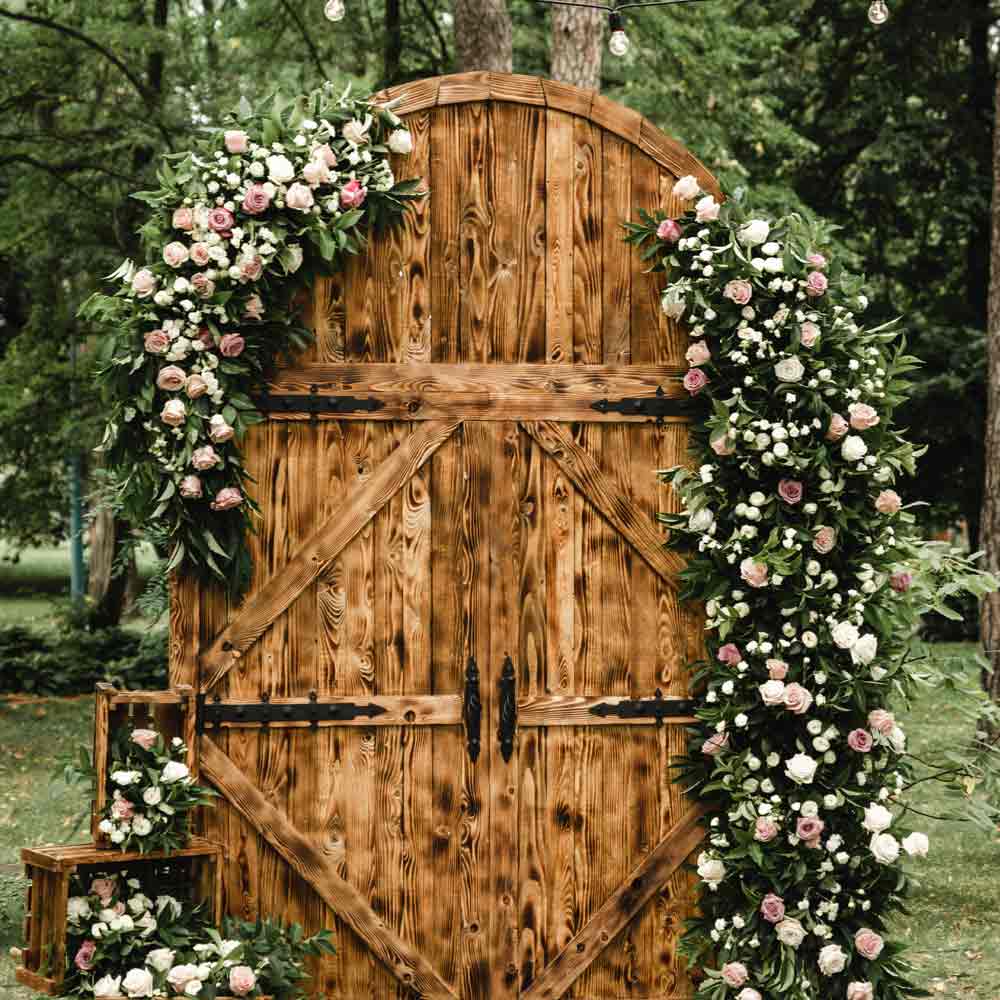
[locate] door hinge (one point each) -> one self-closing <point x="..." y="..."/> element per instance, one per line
<point x="656" y="407"/>
<point x="508" y="710"/>
<point x="315" y="403"/>
<point x="657" y="708"/>
<point x="216" y="713"/>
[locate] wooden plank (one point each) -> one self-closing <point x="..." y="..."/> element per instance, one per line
<point x="400" y="710"/>
<point x="669" y="153"/>
<point x="476" y="232"/>
<point x="329" y="317"/>
<point x="185" y="610"/>
<point x="400" y="958"/>
<point x="559" y="236"/>
<point x="358" y="508"/>
<point x="581" y="469"/>
<point x="617" y="256"/>
<point x="410" y="97"/>
<point x="574" y="710"/>
<point x="566" y="97"/>
<point x="616" y="118"/>
<point x="413" y="302"/>
<point x="447" y="140"/>
<point x="517" y="88"/>
<point x="588" y="231"/>
<point x="462" y="88"/>
<point x="623" y="904"/>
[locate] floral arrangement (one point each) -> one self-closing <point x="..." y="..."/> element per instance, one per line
<point x="802" y="552"/>
<point x="123" y="943"/>
<point x="239" y="226"/>
<point x="153" y="792"/>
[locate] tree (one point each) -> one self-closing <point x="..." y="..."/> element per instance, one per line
<point x="483" y="36"/>
<point x="577" y="36"/>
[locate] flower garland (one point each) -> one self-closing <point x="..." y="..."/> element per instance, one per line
<point x="240" y="225"/>
<point x="153" y="793"/>
<point x="799" y="548"/>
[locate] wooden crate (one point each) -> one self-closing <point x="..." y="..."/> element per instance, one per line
<point x="50" y="869"/>
<point x="173" y="713"/>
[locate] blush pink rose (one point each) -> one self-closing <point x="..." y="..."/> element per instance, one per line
<point x="353" y="194"/>
<point x="797" y="699"/>
<point x="695" y="380"/>
<point x="837" y="429"/>
<point x="145" y="738"/>
<point x="729" y="654"/>
<point x="881" y="721"/>
<point x="84" y="959"/>
<point x="203" y="286"/>
<point x="765" y="829"/>
<point x="325" y="155"/>
<point x="171" y="379"/>
<point x="200" y="254"/>
<point x="226" y="498"/>
<point x="722" y="445"/>
<point x="183" y="218"/>
<point x="174" y="413"/>
<point x="236" y="140"/>
<point x="772" y="908"/>
<point x="816" y="260"/>
<point x="204" y="458"/>
<point x="753" y="573"/>
<point x="901" y="582"/>
<point x="190" y="488"/>
<point x="221" y="220"/>
<point x="143" y="283"/>
<point x="668" y="231"/>
<point x="862" y="416"/>
<point x="860" y="740"/>
<point x="888" y="502"/>
<point x="316" y="172"/>
<point x="868" y="943"/>
<point x="825" y="539"/>
<point x="251" y="268"/>
<point x="808" y="334"/>
<point x="791" y="491"/>
<point x="241" y="980"/>
<point x="809" y="828"/>
<point x="715" y="744"/>
<point x="122" y="809"/>
<point x="175" y="254"/>
<point x="103" y="888"/>
<point x="734" y="974"/>
<point x="205" y="336"/>
<point x="698" y="353"/>
<point x="300" y="197"/>
<point x="218" y="430"/>
<point x="254" y="308"/>
<point x="231" y="345"/>
<point x="860" y="991"/>
<point x="777" y="670"/>
<point x="256" y="200"/>
<point x="156" y="342"/>
<point x="816" y="284"/>
<point x="738" y="291"/>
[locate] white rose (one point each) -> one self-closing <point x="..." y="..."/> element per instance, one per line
<point x="790" y="932"/>
<point x="753" y="232"/>
<point x="706" y="209"/>
<point x="673" y="302"/>
<point x="853" y="448"/>
<point x="702" y="520"/>
<point x="801" y="768"/>
<point x="98" y="930"/>
<point x="401" y="141"/>
<point x="789" y="370"/>
<point x="773" y="264"/>
<point x="123" y="777"/>
<point x="141" y="826"/>
<point x="772" y="692"/>
<point x="153" y="796"/>
<point x="771" y="249"/>
<point x="863" y="651"/>
<point x="147" y="924"/>
<point x="280" y="169"/>
<point x="897" y="738"/>
<point x="809" y="640"/>
<point x="109" y="986"/>
<point x="117" y="837"/>
<point x="711" y="870"/>
<point x="356" y="132"/>
<point x="138" y="983"/>
<point x="885" y="848"/>
<point x="168" y="902"/>
<point x="226" y="948"/>
<point x="193" y="987"/>
<point x="180" y="975"/>
<point x="877" y="818"/>
<point x="160" y="959"/>
<point x="844" y="634"/>
<point x="916" y="845"/>
<point x="105" y="826"/>
<point x="77" y="908"/>
<point x="139" y="903"/>
<point x="173" y="771"/>
<point x="122" y="923"/>
<point x="686" y="188"/>
<point x="832" y="959"/>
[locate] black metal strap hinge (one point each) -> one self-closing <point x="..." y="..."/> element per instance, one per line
<point x="508" y="710"/>
<point x="215" y="713"/>
<point x="657" y="708"/>
<point x="656" y="407"/>
<point x="472" y="710"/>
<point x="316" y="403"/>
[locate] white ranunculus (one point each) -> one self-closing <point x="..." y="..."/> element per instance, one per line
<point x="280" y="169"/>
<point x="801" y="768"/>
<point x="864" y="650"/>
<point x="139" y="903"/>
<point x="877" y="818"/>
<point x="702" y="520"/>
<point x="772" y="692"/>
<point x="160" y="959"/>
<point x="773" y="264"/>
<point x="844" y="635"/>
<point x="897" y="739"/>
<point x="771" y="249"/>
<point x="711" y="870"/>
<point x="138" y="983"/>
<point x="916" y="845"/>
<point x="401" y="141"/>
<point x="753" y="232"/>
<point x="686" y="188"/>
<point x="146" y="924"/>
<point x="854" y="448"/>
<point x="108" y="986"/>
<point x="790" y="932"/>
<point x="124" y="778"/>
<point x="173" y="771"/>
<point x="141" y="826"/>
<point x="809" y="640"/>
<point x="789" y="370"/>
<point x="226" y="948"/>
<point x="123" y="922"/>
<point x="78" y="908"/>
<point x="832" y="959"/>
<point x="885" y="848"/>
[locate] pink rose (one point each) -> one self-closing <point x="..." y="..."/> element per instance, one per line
<point x="256" y="200"/>
<point x="175" y="254"/>
<point x="777" y="670"/>
<point x="183" y="219"/>
<point x="254" y="308"/>
<point x="204" y="458"/>
<point x="698" y="353"/>
<point x="235" y="140"/>
<point x="888" y="502"/>
<point x="901" y="582"/>
<point x="816" y="260"/>
<point x="251" y="268"/>
<point x="739" y="291"/>
<point x="824" y="539"/>
<point x="143" y="283"/>
<point x="171" y="379"/>
<point x="145" y="738"/>
<point x="729" y="654"/>
<point x="816" y="284"/>
<point x="84" y="960"/>
<point x="668" y="231"/>
<point x="227" y="497"/>
<point x="715" y="744"/>
<point x="772" y="692"/>
<point x="205" y="336"/>
<point x="809" y="828"/>
<point x="695" y="380"/>
<point x="790" y="490"/>
<point x="868" y="944"/>
<point x="156" y="342"/>
<point x="219" y="430"/>
<point x="749" y="993"/>
<point x="241" y="980"/>
<point x="797" y="699"/>
<point x="316" y="172"/>
<point x="220" y="220"/>
<point x="772" y="908"/>
<point x="808" y="334"/>
<point x="881" y="721"/>
<point x="706" y="209"/>
<point x="324" y="155"/>
<point x="104" y="889"/>
<point x="352" y="194"/>
<point x="231" y="345"/>
<point x="300" y="197"/>
<point x="722" y="445"/>
<point x="860" y="740"/>
<point x="860" y="991"/>
<point x="200" y="254"/>
<point x="837" y="429"/>
<point x="203" y="286"/>
<point x="190" y="488"/>
<point x="765" y="829"/>
<point x="174" y="413"/>
<point x="862" y="416"/>
<point x="122" y="809"/>
<point x="734" y="974"/>
<point x="753" y="573"/>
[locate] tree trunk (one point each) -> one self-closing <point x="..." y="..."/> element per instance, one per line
<point x="989" y="526"/>
<point x="105" y="588"/>
<point x="483" y="36"/>
<point x="577" y="46"/>
<point x="392" y="50"/>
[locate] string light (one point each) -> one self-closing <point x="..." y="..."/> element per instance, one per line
<point x="618" y="43"/>
<point x="335" y="10"/>
<point x="878" y="12"/>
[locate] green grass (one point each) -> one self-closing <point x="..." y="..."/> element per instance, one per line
<point x="953" y="929"/>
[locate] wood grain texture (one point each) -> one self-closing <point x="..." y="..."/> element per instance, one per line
<point x="559" y="170"/>
<point x="405" y="963"/>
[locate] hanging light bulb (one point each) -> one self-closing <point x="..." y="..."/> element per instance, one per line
<point x="878" y="12"/>
<point x="618" y="43"/>
<point x="335" y="10"/>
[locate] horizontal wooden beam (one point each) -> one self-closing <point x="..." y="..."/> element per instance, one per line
<point x="492" y="392"/>
<point x="569" y="710"/>
<point x="399" y="710"/>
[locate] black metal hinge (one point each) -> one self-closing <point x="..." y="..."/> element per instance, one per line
<point x="472" y="710"/>
<point x="316" y="403"/>
<point x="212" y="714"/>
<point x="656" y="407"/>
<point x="657" y="708"/>
<point x="508" y="710"/>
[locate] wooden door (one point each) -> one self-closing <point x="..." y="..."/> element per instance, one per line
<point x="486" y="513"/>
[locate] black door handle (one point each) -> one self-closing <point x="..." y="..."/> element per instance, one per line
<point x="508" y="710"/>
<point x="472" y="710"/>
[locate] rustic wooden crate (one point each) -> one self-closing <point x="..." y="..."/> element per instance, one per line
<point x="172" y="713"/>
<point x="49" y="870"/>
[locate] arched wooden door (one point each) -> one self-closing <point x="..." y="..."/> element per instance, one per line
<point x="474" y="511"/>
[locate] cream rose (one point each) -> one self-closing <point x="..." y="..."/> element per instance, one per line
<point x="174" y="413"/>
<point x="832" y="959"/>
<point x="300" y="198"/>
<point x="401" y="142"/>
<point x="138" y="983"/>
<point x="860" y="991"/>
<point x="175" y="254"/>
<point x="877" y="818"/>
<point x="801" y="768"/>
<point x="706" y="209"/>
<point x="854" y="448"/>
<point x="864" y="650"/>
<point x="279" y="169"/>
<point x="711" y="870"/>
<point x="885" y="848"/>
<point x="686" y="188"/>
<point x="772" y="692"/>
<point x="789" y="370"/>
<point x="790" y="932"/>
<point x="844" y="635"/>
<point x="753" y="232"/>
